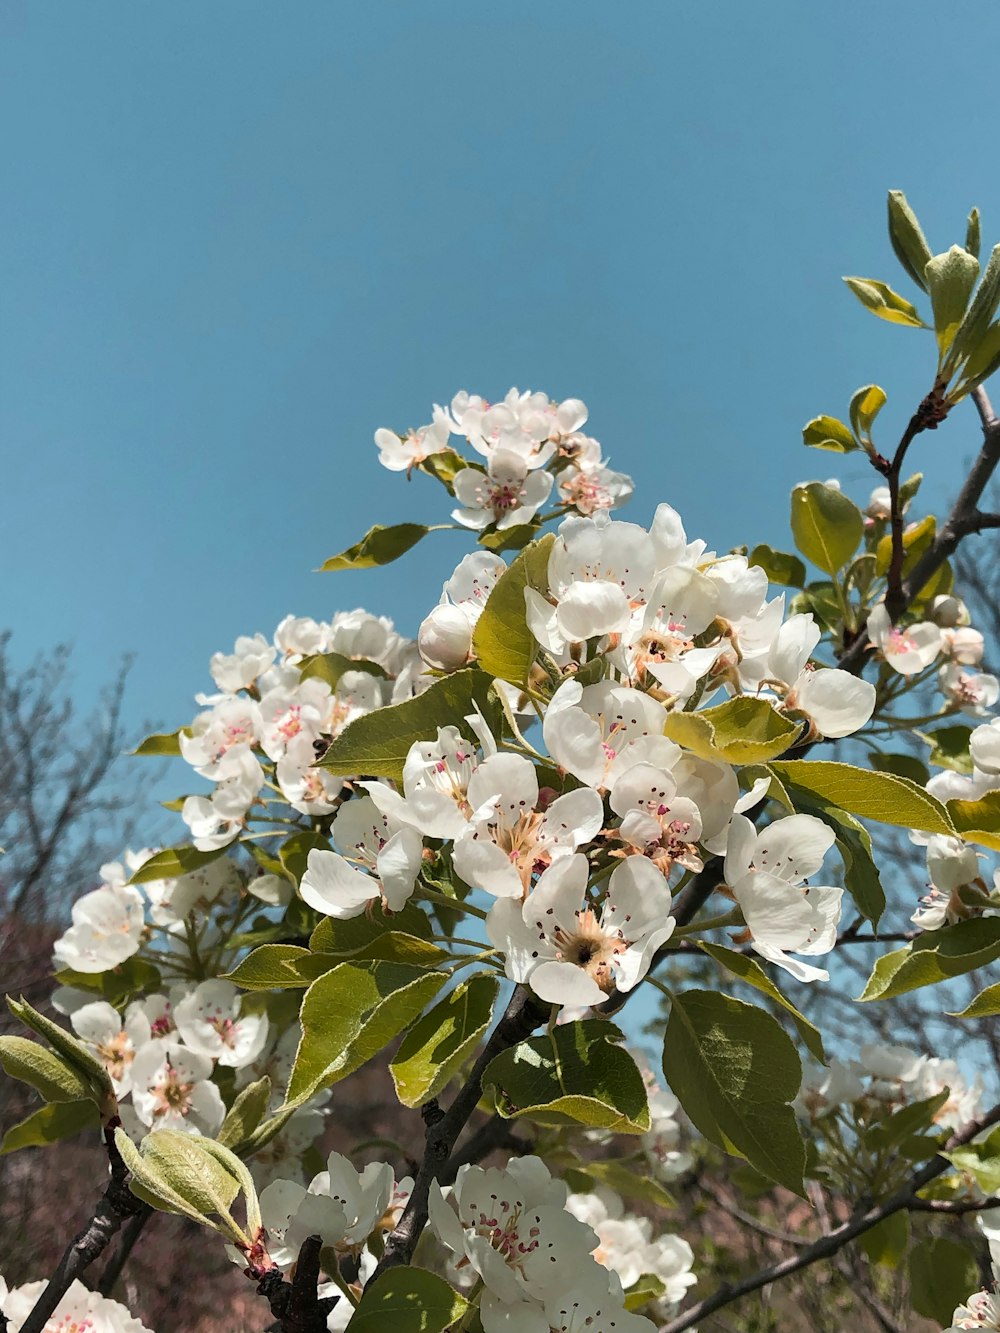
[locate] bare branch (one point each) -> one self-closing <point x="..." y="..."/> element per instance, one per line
<point x="832" y="1243"/>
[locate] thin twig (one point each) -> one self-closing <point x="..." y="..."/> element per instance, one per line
<point x="131" y="1232"/>
<point x="116" y="1205"/>
<point x="835" y="1240"/>
<point x="522" y="1015"/>
<point x="748" y="1219"/>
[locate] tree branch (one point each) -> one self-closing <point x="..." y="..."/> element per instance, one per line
<point x="131" y="1232"/>
<point x="116" y="1205"/>
<point x="522" y="1015"/>
<point x="834" y="1241"/>
<point x="964" y="519"/>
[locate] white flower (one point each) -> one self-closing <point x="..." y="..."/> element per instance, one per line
<point x="113" y="1040"/>
<point x="879" y="503"/>
<point x="172" y="900"/>
<point x="341" y="1206"/>
<point x="594" y="1304"/>
<point x="507" y="839"/>
<point x="981" y="1311"/>
<point x="963" y="644"/>
<point x="209" y="1022"/>
<point x="837" y="702"/>
<point x="597" y="570"/>
<point x="361" y="635"/>
<point x="558" y="945"/>
<point x="889" y="1067"/>
<point x="107" y="928"/>
<point x="592" y="487"/>
<point x="381" y="859"/>
<point x="220" y="737"/>
<point x="766" y="873"/>
<point x="171" y="1089"/>
<point x="436" y="777"/>
<point x="306" y="788"/>
<point x="598" y="731"/>
<point x="840" y="1083"/>
<point x="984" y="747"/>
<point x="950" y="862"/>
<point x="974" y="692"/>
<point x="239" y="669"/>
<point x="655" y="820"/>
<point x="907" y="650"/>
<point x="78" y="1311"/>
<point x="622" y="1239"/>
<point x="401" y="453"/>
<point x="682" y="603"/>
<point x="216" y="820"/>
<point x="512" y="1228"/>
<point x="300" y="636"/>
<point x="445" y="635"/>
<point x="507" y="494"/>
<point x="962" y="1106"/>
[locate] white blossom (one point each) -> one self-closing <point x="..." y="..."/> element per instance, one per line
<point x="341" y="1205"/>
<point x="564" y="950"/>
<point x="380" y="858"/>
<point x="171" y="1089"/>
<point x="766" y="873"/>
<point x="908" y="649"/>
<point x="107" y="928"/>
<point x="79" y="1310"/>
<point x="114" y="1040"/>
<point x="209" y="1022"/>
<point x="239" y="669"/>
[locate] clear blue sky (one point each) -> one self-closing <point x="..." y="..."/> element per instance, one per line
<point x="237" y="237"/>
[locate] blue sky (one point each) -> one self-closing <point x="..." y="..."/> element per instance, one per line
<point x="236" y="238"/>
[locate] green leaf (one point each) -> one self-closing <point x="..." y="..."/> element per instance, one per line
<point x="645" y="1289"/>
<point x="50" y="1076"/>
<point x="576" y="1074"/>
<point x="982" y="310"/>
<point x="293" y="853"/>
<point x="408" y="1300"/>
<point x="735" y="1072"/>
<point x="622" y="1177"/>
<point x="917" y="537"/>
<point x="190" y="1168"/>
<point x="163" y="742"/>
<point x="445" y="466"/>
<point x="981" y="1160"/>
<point x="985" y="1005"/>
<point x="978" y="821"/>
<point x="331" y="666"/>
<point x="866" y="404"/>
<point x="279" y="967"/>
<point x="132" y="977"/>
<point x="881" y="300"/>
<point x="951" y="276"/>
<point x="895" y="1129"/>
<point x="904" y="765"/>
<point x="886" y="1242"/>
<point x="983" y="361"/>
<point x="359" y="932"/>
<point x="779" y="566"/>
<point x="829" y="433"/>
<point x="972" y="234"/>
<point x="173" y="862"/>
<point x="377" y="744"/>
<point x="245" y="1114"/>
<point x="74" y="1052"/>
<point x="743" y="730"/>
<point x="348" y="1016"/>
<point x="907" y="238"/>
<point x="950" y="747"/>
<point x="826" y="525"/>
<point x="935" y="956"/>
<point x="434" y="1049"/>
<point x="883" y="797"/>
<point x="49" y="1124"/>
<point x="942" y="1274"/>
<point x="379" y="546"/>
<point x="509" y="539"/>
<point x="750" y="971"/>
<point x="502" y="642"/>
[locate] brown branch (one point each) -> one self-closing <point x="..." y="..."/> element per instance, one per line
<point x="131" y="1232"/>
<point x="964" y="519"/>
<point x="522" y="1015"/>
<point x="296" y="1305"/>
<point x="954" y="1207"/>
<point x="116" y="1205"/>
<point x="748" y="1219"/>
<point x="832" y="1243"/>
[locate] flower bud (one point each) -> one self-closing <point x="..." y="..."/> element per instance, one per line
<point x="445" y="638"/>
<point x="965" y="645"/>
<point x="948" y="612"/>
<point x="879" y="503"/>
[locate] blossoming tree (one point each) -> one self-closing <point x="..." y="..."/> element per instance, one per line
<point x="608" y="750"/>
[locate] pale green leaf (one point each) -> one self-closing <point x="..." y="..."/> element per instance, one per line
<point x="50" y="1124"/>
<point x="172" y="862"/>
<point x="881" y="300"/>
<point x="780" y="566"/>
<point x="735" y="1072"/>
<point x="379" y="546"/>
<point x="882" y="797"/>
<point x="826" y="525"/>
<point x="750" y="971"/>
<point x="829" y="433"/>
<point x="743" y="730"/>
<point x="434" y="1049"/>
<point x="908" y="240"/>
<point x="935" y="956"/>
<point x="951" y="277"/>
<point x="408" y="1300"/>
<point x="502" y="642"/>
<point x="50" y="1075"/>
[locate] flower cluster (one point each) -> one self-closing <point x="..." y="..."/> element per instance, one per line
<point x="513" y="1230"/>
<point x="79" y="1310"/>
<point x="882" y="1080"/>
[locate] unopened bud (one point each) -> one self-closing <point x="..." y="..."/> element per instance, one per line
<point x="445" y="638"/>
